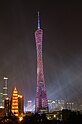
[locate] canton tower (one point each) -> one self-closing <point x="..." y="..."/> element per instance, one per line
<point x="41" y="102"/>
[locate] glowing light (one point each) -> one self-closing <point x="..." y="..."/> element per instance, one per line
<point x="54" y="116"/>
<point x="7" y="98"/>
<point x="20" y="118"/>
<point x="5" y="78"/>
<point x="20" y="96"/>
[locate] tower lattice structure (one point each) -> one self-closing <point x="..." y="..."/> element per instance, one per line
<point x="41" y="102"/>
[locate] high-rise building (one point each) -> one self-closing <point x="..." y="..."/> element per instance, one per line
<point x="7" y="106"/>
<point x="20" y="104"/>
<point x="29" y="106"/>
<point x="1" y="100"/>
<point x="50" y="105"/>
<point x="14" y="102"/>
<point x="5" y="89"/>
<point x="41" y="102"/>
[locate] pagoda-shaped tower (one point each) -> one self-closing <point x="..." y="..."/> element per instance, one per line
<point x="14" y="104"/>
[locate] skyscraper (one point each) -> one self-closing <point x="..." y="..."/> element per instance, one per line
<point x="41" y="102"/>
<point x="20" y="104"/>
<point x="1" y="100"/>
<point x="29" y="105"/>
<point x="7" y="104"/>
<point x="5" y="89"/>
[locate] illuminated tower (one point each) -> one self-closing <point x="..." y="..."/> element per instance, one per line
<point x="41" y="102"/>
<point x="14" y="104"/>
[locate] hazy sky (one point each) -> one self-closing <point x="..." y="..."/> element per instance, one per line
<point x="62" y="47"/>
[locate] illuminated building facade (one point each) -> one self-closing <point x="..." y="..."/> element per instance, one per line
<point x="70" y="106"/>
<point x="59" y="105"/>
<point x="56" y="105"/>
<point x="14" y="102"/>
<point x="29" y="105"/>
<point x="5" y="89"/>
<point x="41" y="102"/>
<point x="20" y="104"/>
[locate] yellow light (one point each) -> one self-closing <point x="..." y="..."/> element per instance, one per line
<point x="12" y="111"/>
<point x="16" y="111"/>
<point x="16" y="114"/>
<point x="20" y="118"/>
<point x="20" y="96"/>
<point x="7" y="98"/>
<point x="54" y="116"/>
<point x="13" y="104"/>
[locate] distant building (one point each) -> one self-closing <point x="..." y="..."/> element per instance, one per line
<point x="5" y="88"/>
<point x="60" y="105"/>
<point x="1" y="100"/>
<point x="29" y="106"/>
<point x="20" y="104"/>
<point x="56" y="105"/>
<point x="51" y="105"/>
<point x="7" y="108"/>
<point x="70" y="106"/>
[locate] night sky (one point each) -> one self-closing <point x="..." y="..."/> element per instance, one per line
<point x="62" y="47"/>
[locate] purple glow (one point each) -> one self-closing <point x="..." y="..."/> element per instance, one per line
<point x="41" y="102"/>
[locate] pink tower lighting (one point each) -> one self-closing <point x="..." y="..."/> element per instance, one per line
<point x="41" y="102"/>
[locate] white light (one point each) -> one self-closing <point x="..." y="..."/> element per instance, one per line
<point x="54" y="116"/>
<point x="5" y="94"/>
<point x="4" y="87"/>
<point x="29" y="101"/>
<point x="53" y="101"/>
<point x="5" y="78"/>
<point x="1" y="106"/>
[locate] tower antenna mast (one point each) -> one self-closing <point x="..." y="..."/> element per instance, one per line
<point x="38" y="20"/>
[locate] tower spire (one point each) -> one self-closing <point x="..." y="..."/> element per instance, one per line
<point x="38" y="21"/>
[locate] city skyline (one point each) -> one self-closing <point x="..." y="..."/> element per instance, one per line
<point x="62" y="48"/>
